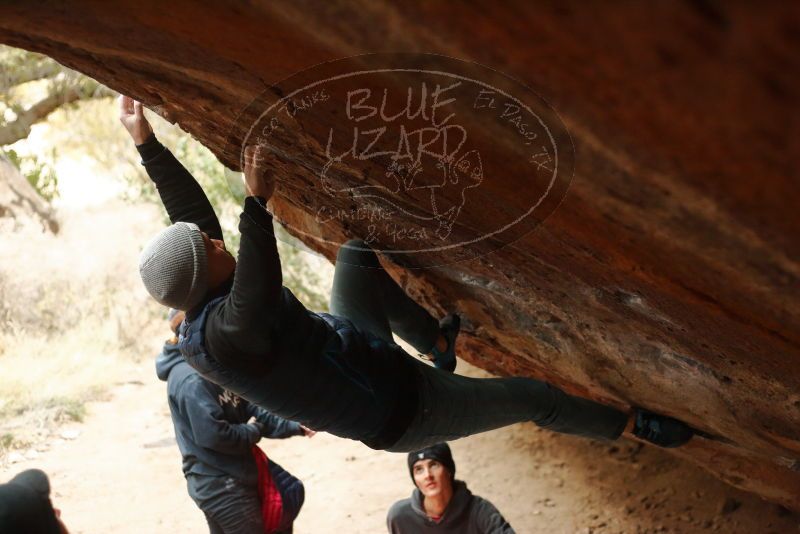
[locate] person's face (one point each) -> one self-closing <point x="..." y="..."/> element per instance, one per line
<point x="220" y="262"/>
<point x="176" y="322"/>
<point x="431" y="478"/>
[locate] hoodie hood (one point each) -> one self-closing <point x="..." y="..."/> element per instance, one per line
<point x="170" y="357"/>
<point x="455" y="509"/>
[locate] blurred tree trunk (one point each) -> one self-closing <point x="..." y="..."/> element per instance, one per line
<point x="19" y="201"/>
<point x="19" y="69"/>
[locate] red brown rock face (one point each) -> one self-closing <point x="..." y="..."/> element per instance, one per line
<point x="667" y="278"/>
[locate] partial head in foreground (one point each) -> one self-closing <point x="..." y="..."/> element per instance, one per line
<point x="181" y="264"/>
<point x="432" y="469"/>
<point x="25" y="505"/>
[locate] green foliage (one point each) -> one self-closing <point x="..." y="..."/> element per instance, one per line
<point x="20" y="67"/>
<point x="69" y="409"/>
<point x="7" y="440"/>
<point x="303" y="270"/>
<point x="213" y="178"/>
<point x="39" y="172"/>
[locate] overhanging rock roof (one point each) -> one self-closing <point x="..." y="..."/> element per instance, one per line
<point x="668" y="275"/>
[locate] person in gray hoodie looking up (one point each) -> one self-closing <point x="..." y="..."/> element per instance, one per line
<point x="440" y="504"/>
<point x="216" y="431"/>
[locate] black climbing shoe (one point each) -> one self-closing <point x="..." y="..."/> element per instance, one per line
<point x="449" y="327"/>
<point x="661" y="430"/>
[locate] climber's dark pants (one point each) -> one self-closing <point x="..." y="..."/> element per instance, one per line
<point x="453" y="406"/>
<point x="366" y="295"/>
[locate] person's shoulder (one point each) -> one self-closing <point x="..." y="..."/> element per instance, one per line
<point x="399" y="509"/>
<point x="487" y="516"/>
<point x="189" y="382"/>
<point x="180" y="374"/>
<point x="478" y="499"/>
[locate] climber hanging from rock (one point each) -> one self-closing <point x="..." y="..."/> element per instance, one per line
<point x="339" y="372"/>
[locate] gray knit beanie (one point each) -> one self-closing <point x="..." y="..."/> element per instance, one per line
<point x="174" y="267"/>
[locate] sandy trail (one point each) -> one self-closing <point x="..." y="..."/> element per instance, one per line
<point x="122" y="474"/>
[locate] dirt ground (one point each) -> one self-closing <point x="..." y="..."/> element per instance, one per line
<point x="119" y="471"/>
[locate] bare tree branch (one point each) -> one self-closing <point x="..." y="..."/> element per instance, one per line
<point x="27" y="73"/>
<point x="20" y="128"/>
